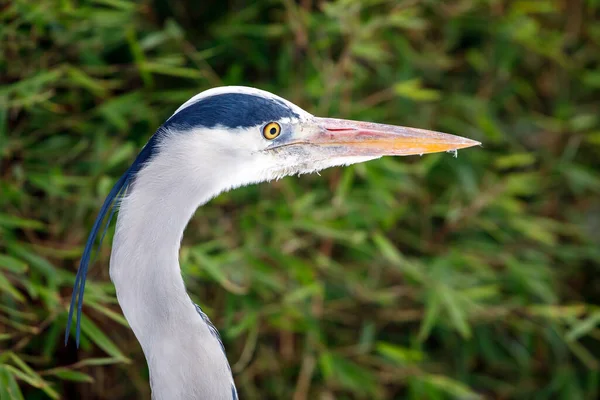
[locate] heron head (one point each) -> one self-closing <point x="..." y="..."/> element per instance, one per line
<point x="233" y="136"/>
<point x="251" y="135"/>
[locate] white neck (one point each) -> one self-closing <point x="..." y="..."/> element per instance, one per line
<point x="184" y="357"/>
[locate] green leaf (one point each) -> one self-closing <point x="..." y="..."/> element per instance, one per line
<point x="449" y="386"/>
<point x="413" y="89"/>
<point x="432" y="313"/>
<point x="80" y="78"/>
<point x="70" y="375"/>
<point x="9" y="389"/>
<point x="8" y="288"/>
<point x="399" y="354"/>
<point x="94" y="334"/>
<point x="27" y="374"/>
<point x="456" y="311"/>
<point x="347" y="373"/>
<point x="518" y="160"/>
<point x="117" y="317"/>
<point x="32" y="85"/>
<point x="100" y="361"/>
<point x="583" y="327"/>
<point x="33" y="380"/>
<point x="12" y="264"/>
<point x="303" y="293"/>
<point x="36" y="262"/>
<point x="11" y="221"/>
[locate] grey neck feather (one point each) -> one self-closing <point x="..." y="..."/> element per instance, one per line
<point x="184" y="357"/>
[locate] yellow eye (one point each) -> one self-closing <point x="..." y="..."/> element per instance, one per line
<point x="271" y="130"/>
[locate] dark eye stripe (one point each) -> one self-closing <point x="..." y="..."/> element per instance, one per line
<point x="231" y="110"/>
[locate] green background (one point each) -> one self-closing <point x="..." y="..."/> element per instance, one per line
<point x="427" y="277"/>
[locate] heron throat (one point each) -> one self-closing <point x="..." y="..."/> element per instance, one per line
<point x="184" y="357"/>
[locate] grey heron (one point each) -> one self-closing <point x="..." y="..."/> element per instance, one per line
<point x="218" y="140"/>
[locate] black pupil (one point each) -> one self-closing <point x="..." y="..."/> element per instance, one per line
<point x="273" y="131"/>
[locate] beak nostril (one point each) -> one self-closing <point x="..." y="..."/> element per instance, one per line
<point x="339" y="129"/>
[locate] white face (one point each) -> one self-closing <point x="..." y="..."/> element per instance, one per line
<point x="243" y="156"/>
<point x="260" y="153"/>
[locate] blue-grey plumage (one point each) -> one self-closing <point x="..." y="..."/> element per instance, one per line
<point x="218" y="140"/>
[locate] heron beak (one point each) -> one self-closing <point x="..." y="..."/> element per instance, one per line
<point x="355" y="138"/>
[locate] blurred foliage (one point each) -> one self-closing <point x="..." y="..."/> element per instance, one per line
<point x="420" y="278"/>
